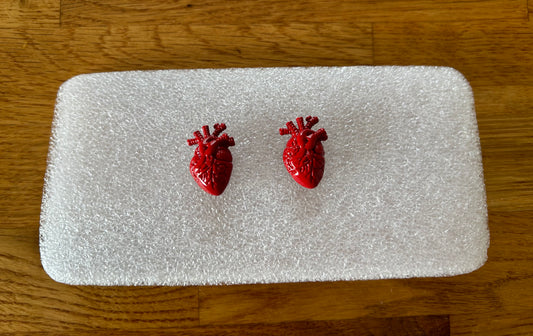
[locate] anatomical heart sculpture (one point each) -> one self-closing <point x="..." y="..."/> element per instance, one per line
<point x="304" y="154"/>
<point x="211" y="164"/>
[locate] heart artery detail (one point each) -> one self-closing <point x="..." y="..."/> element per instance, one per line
<point x="211" y="164"/>
<point x="304" y="154"/>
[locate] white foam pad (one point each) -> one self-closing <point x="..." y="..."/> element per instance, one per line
<point x="402" y="193"/>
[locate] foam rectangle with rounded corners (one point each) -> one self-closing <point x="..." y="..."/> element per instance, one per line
<point x="402" y="194"/>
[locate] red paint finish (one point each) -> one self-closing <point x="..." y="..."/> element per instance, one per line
<point x="211" y="164"/>
<point x="304" y="154"/>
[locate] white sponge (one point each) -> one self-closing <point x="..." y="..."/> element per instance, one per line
<point x="402" y="193"/>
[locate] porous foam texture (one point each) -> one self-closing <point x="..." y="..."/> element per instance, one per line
<point x="402" y="194"/>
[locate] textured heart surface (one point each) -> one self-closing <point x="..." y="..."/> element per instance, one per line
<point x="304" y="154"/>
<point x="211" y="164"/>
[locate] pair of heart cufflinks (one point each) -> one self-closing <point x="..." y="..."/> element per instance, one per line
<point x="303" y="156"/>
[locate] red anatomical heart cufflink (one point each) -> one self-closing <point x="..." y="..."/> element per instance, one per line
<point x="304" y="154"/>
<point x="211" y="164"/>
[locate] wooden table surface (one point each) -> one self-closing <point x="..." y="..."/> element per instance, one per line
<point x="43" y="43"/>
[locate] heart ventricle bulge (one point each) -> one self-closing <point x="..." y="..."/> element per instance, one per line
<point x="305" y="166"/>
<point x="212" y="172"/>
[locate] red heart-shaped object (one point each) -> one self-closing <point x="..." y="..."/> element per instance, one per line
<point x="304" y="154"/>
<point x="211" y="164"/>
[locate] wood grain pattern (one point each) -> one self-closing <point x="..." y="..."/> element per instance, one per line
<point x="135" y="12"/>
<point x="487" y="53"/>
<point x="495" y="324"/>
<point x="28" y="13"/>
<point x="76" y="50"/>
<point x="505" y="124"/>
<point x="376" y="299"/>
<point x="412" y="326"/>
<point x="43" y="43"/>
<point x="31" y="302"/>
